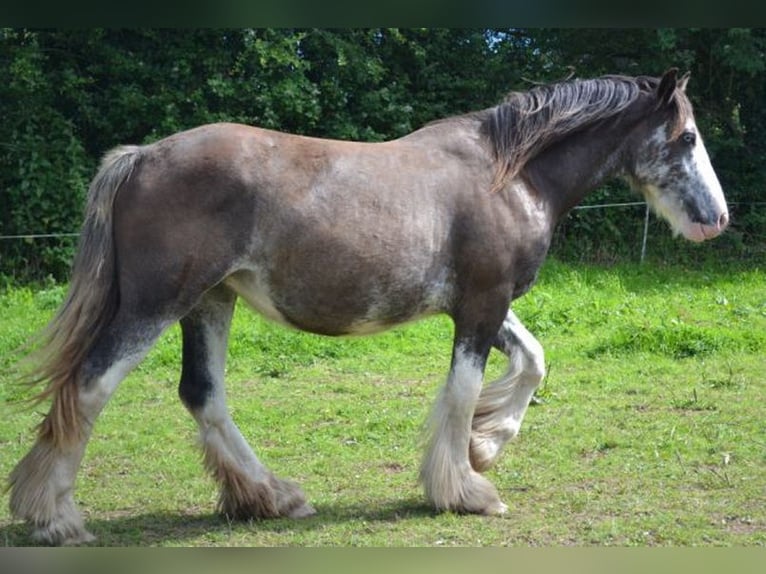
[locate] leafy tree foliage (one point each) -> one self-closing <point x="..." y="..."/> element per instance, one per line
<point x="67" y="96"/>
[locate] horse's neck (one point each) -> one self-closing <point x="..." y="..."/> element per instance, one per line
<point x="568" y="170"/>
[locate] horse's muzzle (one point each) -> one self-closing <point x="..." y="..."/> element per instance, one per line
<point x="699" y="232"/>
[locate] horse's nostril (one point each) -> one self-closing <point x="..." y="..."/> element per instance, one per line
<point x="723" y="221"/>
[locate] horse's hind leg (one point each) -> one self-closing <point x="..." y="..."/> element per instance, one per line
<point x="247" y="488"/>
<point x="42" y="483"/>
<point x="502" y="404"/>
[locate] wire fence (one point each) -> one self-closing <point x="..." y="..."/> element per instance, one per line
<point x="76" y="234"/>
<point x="39" y="235"/>
<point x="28" y="236"/>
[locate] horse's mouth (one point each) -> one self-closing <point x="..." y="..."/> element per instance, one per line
<point x="699" y="232"/>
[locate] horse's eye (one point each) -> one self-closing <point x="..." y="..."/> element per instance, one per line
<point x="689" y="138"/>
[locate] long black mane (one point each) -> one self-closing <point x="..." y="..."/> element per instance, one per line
<point x="526" y="122"/>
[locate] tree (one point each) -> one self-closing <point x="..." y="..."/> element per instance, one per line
<point x="70" y="95"/>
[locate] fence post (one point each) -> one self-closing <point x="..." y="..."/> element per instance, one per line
<point x="646" y="231"/>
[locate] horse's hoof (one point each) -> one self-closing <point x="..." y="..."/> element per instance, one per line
<point x="54" y="537"/>
<point x="496" y="509"/>
<point x="303" y="511"/>
<point x="84" y="537"/>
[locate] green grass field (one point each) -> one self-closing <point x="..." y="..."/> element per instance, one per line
<point x="651" y="431"/>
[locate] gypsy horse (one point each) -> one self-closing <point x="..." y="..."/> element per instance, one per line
<point x="345" y="238"/>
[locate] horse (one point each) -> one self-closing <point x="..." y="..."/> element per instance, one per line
<point x="346" y="238"/>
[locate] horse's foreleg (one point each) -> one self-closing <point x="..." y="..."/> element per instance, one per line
<point x="247" y="488"/>
<point x="42" y="483"/>
<point x="502" y="404"/>
<point x="448" y="479"/>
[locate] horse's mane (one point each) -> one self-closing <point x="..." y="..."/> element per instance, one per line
<point x="527" y="122"/>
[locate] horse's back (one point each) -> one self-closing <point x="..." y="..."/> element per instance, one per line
<point x="329" y="236"/>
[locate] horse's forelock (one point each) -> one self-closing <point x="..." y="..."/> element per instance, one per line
<point x="683" y="113"/>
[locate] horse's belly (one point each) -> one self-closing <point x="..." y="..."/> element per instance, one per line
<point x="256" y="294"/>
<point x="323" y="312"/>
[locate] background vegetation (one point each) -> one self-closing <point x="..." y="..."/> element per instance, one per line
<point x="67" y="96"/>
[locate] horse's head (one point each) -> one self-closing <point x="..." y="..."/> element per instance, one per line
<point x="672" y="169"/>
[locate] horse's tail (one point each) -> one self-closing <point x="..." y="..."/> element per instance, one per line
<point x="90" y="304"/>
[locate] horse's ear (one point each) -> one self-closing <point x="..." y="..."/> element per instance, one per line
<point x="683" y="81"/>
<point x="667" y="86"/>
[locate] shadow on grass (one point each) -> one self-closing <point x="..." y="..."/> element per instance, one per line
<point x="176" y="529"/>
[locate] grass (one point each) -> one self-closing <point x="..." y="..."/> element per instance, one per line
<point x="651" y="431"/>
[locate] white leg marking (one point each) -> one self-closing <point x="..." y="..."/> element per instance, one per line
<point x="219" y="435"/>
<point x="502" y="405"/>
<point x="94" y="396"/>
<point x="43" y="481"/>
<point x="247" y="488"/>
<point x="42" y="484"/>
<point x="222" y="440"/>
<point x="449" y="481"/>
